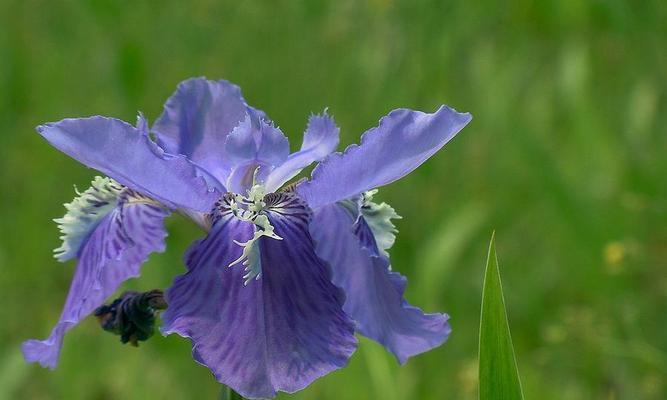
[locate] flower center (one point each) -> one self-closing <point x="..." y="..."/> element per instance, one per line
<point x="252" y="208"/>
<point x="247" y="207"/>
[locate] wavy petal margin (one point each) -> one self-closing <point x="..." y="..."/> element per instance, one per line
<point x="403" y="140"/>
<point x="374" y="293"/>
<point x="319" y="140"/>
<point x="278" y="333"/>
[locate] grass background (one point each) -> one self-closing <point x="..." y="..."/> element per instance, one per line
<point x="565" y="158"/>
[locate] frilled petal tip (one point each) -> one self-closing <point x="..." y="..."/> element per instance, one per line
<point x="319" y="140"/>
<point x="254" y="143"/>
<point x="411" y="332"/>
<point x="46" y="352"/>
<point x="374" y="293"/>
<point x="277" y="333"/>
<point x="255" y="140"/>
<point x="402" y="141"/>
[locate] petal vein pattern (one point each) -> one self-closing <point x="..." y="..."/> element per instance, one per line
<point x="113" y="253"/>
<point x="278" y="333"/>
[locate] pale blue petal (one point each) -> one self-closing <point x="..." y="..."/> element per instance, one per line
<point x="320" y="139"/>
<point x="402" y="142"/>
<point x="374" y="294"/>
<point x="123" y="153"/>
<point x="197" y="119"/>
<point x="253" y="144"/>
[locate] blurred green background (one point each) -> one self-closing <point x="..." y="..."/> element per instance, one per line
<point x="566" y="158"/>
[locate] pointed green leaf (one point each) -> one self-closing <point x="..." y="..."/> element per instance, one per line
<point x="498" y="373"/>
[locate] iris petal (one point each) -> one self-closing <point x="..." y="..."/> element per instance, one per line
<point x="319" y="140"/>
<point x="374" y="293"/>
<point x="197" y="119"/>
<point x="125" y="154"/>
<point x="113" y="253"/>
<point x="278" y="333"/>
<point x="402" y="142"/>
<point x="253" y="143"/>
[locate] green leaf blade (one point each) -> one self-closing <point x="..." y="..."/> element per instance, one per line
<point x="498" y="372"/>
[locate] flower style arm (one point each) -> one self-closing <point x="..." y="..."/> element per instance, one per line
<point x="319" y="140"/>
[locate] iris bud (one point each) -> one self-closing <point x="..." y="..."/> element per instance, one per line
<point x="132" y="315"/>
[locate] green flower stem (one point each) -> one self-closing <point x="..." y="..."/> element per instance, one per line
<point x="228" y="394"/>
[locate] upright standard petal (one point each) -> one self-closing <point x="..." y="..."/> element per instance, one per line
<point x="253" y="150"/>
<point x="113" y="253"/>
<point x="278" y="333"/>
<point x="402" y="142"/>
<point x="197" y="119"/>
<point x="320" y="139"/>
<point x="374" y="293"/>
<point x="122" y="152"/>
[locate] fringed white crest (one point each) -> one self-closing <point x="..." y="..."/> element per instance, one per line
<point x="83" y="215"/>
<point x="378" y="217"/>
<point x="251" y="208"/>
<point x="250" y="256"/>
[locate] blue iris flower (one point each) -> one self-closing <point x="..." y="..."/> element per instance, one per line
<point x="286" y="274"/>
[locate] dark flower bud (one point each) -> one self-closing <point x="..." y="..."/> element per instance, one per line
<point x="132" y="315"/>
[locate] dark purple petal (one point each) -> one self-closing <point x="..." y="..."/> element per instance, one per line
<point x="197" y="119"/>
<point x="319" y="140"/>
<point x="113" y="253"/>
<point x="123" y="153"/>
<point x="365" y="236"/>
<point x="374" y="293"/>
<point x="402" y="142"/>
<point x="278" y="333"/>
